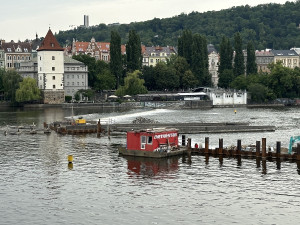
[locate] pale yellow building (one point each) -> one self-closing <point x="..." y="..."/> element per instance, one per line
<point x="153" y="55"/>
<point x="288" y="58"/>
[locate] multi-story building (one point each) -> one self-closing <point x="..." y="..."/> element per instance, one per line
<point x="153" y="55"/>
<point x="75" y="76"/>
<point x="288" y="58"/>
<point x="50" y="61"/>
<point x="213" y="64"/>
<point x="15" y="53"/>
<point x="2" y="55"/>
<point x="98" y="50"/>
<point x="263" y="59"/>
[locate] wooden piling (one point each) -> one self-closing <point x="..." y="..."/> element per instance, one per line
<point x="257" y="149"/>
<point x="264" y="148"/>
<point x="189" y="144"/>
<point x="239" y="147"/>
<point x="220" y="146"/>
<point x="98" y="128"/>
<point x="264" y="166"/>
<point x="206" y="144"/>
<point x="278" y="149"/>
<point x="298" y="151"/>
<point x="189" y="151"/>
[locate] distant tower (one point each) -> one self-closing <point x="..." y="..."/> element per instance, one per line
<point x="86" y="21"/>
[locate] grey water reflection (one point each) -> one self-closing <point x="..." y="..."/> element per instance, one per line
<point x="39" y="186"/>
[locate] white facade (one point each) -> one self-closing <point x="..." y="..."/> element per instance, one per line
<point x="50" y="70"/>
<point x="213" y="62"/>
<point x="228" y="98"/>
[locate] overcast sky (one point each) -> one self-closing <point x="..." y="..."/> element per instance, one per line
<point x="21" y="19"/>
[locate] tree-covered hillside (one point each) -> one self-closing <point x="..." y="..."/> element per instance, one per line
<point x="272" y="26"/>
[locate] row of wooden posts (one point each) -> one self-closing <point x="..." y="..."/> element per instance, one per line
<point x="261" y="150"/>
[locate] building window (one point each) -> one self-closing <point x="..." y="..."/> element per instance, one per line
<point x="73" y="83"/>
<point x="68" y="76"/>
<point x="78" y="83"/>
<point x="40" y="68"/>
<point x="40" y="77"/>
<point x="40" y="58"/>
<point x="149" y="141"/>
<point x="53" y="57"/>
<point x="53" y="68"/>
<point x="52" y="45"/>
<point x="53" y="77"/>
<point x="53" y="86"/>
<point x="143" y="142"/>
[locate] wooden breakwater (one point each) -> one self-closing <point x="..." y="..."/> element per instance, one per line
<point x="259" y="151"/>
<point x="191" y="128"/>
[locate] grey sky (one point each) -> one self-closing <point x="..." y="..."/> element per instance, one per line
<point x="21" y="19"/>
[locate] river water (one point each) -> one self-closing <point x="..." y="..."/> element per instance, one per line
<point x="38" y="186"/>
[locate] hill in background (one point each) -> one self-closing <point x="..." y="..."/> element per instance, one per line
<point x="273" y="26"/>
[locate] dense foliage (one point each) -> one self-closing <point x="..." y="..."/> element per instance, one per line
<point x="281" y="82"/>
<point x="28" y="91"/>
<point x="133" y="85"/>
<point x="10" y="83"/>
<point x="116" y="56"/>
<point x="274" y="26"/>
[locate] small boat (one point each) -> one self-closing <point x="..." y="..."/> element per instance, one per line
<point x="154" y="143"/>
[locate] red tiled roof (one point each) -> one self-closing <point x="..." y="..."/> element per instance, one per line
<point x="81" y="46"/>
<point x="50" y="43"/>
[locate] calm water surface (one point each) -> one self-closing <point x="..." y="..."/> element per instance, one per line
<point x="37" y="186"/>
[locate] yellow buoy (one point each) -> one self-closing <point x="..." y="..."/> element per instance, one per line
<point x="70" y="158"/>
<point x="235" y="111"/>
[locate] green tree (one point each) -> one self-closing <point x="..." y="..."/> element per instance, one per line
<point x="181" y="66"/>
<point x="116" y="56"/>
<point x="185" y="48"/>
<point x="133" y="85"/>
<point x="166" y="77"/>
<point x="239" y="63"/>
<point x="189" y="80"/>
<point x="105" y="81"/>
<point x="251" y="59"/>
<point x="199" y="62"/>
<point x="2" y="72"/>
<point x="134" y="52"/>
<point x="239" y="83"/>
<point x="225" y="78"/>
<point x="260" y="93"/>
<point x="147" y="75"/>
<point x="282" y="80"/>
<point x="28" y="91"/>
<point x="225" y="55"/>
<point x="11" y="81"/>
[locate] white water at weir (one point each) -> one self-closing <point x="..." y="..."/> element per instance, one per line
<point x="126" y="118"/>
